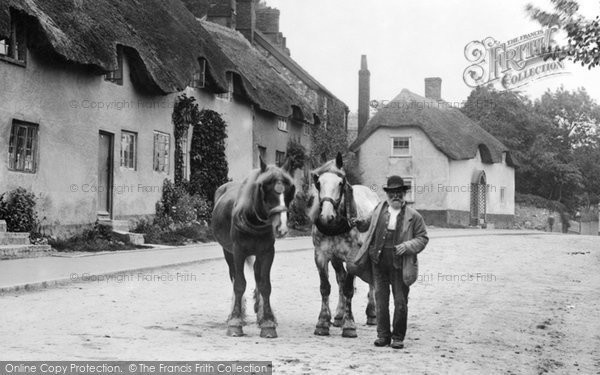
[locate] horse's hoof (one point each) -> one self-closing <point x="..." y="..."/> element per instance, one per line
<point x="235" y="331"/>
<point x="268" y="333"/>
<point x="349" y="332"/>
<point x="337" y="322"/>
<point x="322" y="331"/>
<point x="371" y="321"/>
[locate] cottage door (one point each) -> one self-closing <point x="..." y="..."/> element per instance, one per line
<point x="478" y="199"/>
<point x="105" y="169"/>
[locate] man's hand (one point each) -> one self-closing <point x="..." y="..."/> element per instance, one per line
<point x="401" y="249"/>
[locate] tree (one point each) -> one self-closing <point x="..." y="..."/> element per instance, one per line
<point x="583" y="35"/>
<point x="575" y="116"/>
<point x="326" y="143"/>
<point x="545" y="169"/>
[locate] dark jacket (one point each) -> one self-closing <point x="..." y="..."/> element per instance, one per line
<point x="414" y="236"/>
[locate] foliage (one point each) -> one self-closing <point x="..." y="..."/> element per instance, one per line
<point x="298" y="209"/>
<point x="180" y="234"/>
<point x="17" y="207"/>
<point x="539" y="202"/>
<point x="185" y="113"/>
<point x="583" y="35"/>
<point x="208" y="161"/>
<point x="98" y="238"/>
<point x="326" y="143"/>
<point x="178" y="206"/>
<point x="296" y="154"/>
<point x="554" y="140"/>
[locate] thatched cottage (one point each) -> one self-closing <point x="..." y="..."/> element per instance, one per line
<point x="460" y="175"/>
<point x="88" y="89"/>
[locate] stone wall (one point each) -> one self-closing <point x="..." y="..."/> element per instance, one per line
<point x="529" y="217"/>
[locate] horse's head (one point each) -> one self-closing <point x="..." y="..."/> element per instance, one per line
<point x="275" y="191"/>
<point x="330" y="181"/>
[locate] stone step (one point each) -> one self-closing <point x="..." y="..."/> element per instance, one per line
<point x="134" y="238"/>
<point x="116" y="225"/>
<point x="2" y="226"/>
<point x="10" y="238"/>
<point x="24" y="251"/>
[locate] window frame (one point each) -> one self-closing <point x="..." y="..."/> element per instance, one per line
<point x="282" y="124"/>
<point x="116" y="76"/>
<point x="12" y="147"/>
<point x="279" y="158"/>
<point x="199" y="77"/>
<point x="156" y="165"/>
<point x="135" y="150"/>
<point x="409" y="148"/>
<point x="18" y="38"/>
<point x="228" y="96"/>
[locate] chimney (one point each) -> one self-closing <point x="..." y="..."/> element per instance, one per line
<point x="217" y="11"/>
<point x="246" y="18"/>
<point x="433" y="88"/>
<point x="364" y="93"/>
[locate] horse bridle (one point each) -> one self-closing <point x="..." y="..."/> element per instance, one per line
<point x="334" y="202"/>
<point x="275" y="210"/>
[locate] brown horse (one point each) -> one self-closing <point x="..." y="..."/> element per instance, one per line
<point x="334" y="237"/>
<point x="246" y="219"/>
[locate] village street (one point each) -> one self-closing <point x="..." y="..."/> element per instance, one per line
<point x="523" y="304"/>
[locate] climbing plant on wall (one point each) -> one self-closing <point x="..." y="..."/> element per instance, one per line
<point x="185" y="113"/>
<point x="208" y="161"/>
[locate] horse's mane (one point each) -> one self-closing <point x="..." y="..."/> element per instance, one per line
<point x="245" y="208"/>
<point x="330" y="166"/>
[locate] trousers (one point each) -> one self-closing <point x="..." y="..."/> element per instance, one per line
<point x="384" y="276"/>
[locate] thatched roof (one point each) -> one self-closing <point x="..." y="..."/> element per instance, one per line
<point x="453" y="133"/>
<point x="161" y="34"/>
<point x="261" y="82"/>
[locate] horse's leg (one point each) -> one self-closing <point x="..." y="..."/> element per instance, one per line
<point x="235" y="321"/>
<point x="230" y="265"/>
<point x="349" y="327"/>
<point x="340" y="275"/>
<point x="266" y="321"/>
<point x="325" y="315"/>
<point x="257" y="279"/>
<point x="371" y="311"/>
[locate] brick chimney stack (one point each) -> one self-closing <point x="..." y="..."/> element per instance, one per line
<point x="433" y="88"/>
<point x="364" y="93"/>
<point x="217" y="11"/>
<point x="246" y="18"/>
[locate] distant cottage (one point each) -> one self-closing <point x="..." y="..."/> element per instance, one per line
<point x="460" y="175"/>
<point x="88" y="89"/>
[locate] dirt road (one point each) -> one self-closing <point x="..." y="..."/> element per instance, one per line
<point x="484" y="304"/>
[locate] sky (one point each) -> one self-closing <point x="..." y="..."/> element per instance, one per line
<point x="408" y="40"/>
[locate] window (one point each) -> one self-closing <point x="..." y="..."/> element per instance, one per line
<point x="161" y="152"/>
<point x="282" y="124"/>
<point x="199" y="77"/>
<point x="502" y="195"/>
<point x="306" y="129"/>
<point x="410" y="194"/>
<point x="22" y="147"/>
<point x="229" y="94"/>
<point x="116" y="76"/>
<point x="279" y="158"/>
<point x="14" y="48"/>
<point x="400" y="146"/>
<point x="128" y="150"/>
